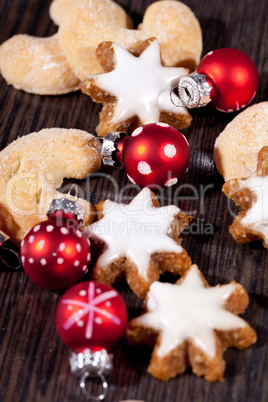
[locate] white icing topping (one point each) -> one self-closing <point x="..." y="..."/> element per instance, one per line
<point x="136" y="231"/>
<point x="189" y="311"/>
<point x="257" y="216"/>
<point x="143" y="78"/>
<point x="164" y="103"/>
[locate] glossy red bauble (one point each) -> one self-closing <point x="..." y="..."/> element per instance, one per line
<point x="155" y="155"/>
<point x="55" y="254"/>
<point x="91" y="315"/>
<point x="233" y="77"/>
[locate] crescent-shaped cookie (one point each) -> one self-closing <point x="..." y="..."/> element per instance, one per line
<point x="33" y="167"/>
<point x="171" y="22"/>
<point x="58" y="9"/>
<point x="37" y="65"/>
<point x="237" y="147"/>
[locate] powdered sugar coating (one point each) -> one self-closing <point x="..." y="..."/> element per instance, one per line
<point x="89" y="22"/>
<point x="55" y="154"/>
<point x="236" y="148"/>
<point x="37" y="65"/>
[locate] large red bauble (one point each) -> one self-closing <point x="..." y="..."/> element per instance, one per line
<point x="55" y="254"/>
<point x="233" y="76"/>
<point x="155" y="155"/>
<point x="91" y="315"/>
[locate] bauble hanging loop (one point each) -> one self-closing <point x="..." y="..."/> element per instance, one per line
<point x="8" y="257"/>
<point x="226" y="78"/>
<point x="193" y="90"/>
<point x="90" y="364"/>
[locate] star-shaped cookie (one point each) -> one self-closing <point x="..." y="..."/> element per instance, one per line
<point x="251" y="194"/>
<point x="140" y="239"/>
<point x="191" y="323"/>
<point x="135" y="90"/>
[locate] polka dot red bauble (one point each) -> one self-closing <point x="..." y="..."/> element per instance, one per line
<point x="156" y="155"/>
<point x="55" y="253"/>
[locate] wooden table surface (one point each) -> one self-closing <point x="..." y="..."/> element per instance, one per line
<point x="34" y="363"/>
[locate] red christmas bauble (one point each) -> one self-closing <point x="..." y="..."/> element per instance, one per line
<point x="55" y="254"/>
<point x="91" y="315"/>
<point x="155" y="155"/>
<point x="233" y="76"/>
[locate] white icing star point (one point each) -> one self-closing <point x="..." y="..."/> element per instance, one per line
<point x="189" y="310"/>
<point x="141" y="84"/>
<point x="256" y="216"/>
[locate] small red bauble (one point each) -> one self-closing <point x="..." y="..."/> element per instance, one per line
<point x="155" y="155"/>
<point x="227" y="78"/>
<point x="91" y="315"/>
<point x="55" y="254"/>
<point x="233" y="76"/>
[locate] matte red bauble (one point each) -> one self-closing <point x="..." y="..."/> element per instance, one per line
<point x="227" y="78"/>
<point x="55" y="254"/>
<point x="155" y="155"/>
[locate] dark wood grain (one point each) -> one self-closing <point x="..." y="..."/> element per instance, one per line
<point x="34" y="363"/>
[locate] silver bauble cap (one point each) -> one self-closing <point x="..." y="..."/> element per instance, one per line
<point x="194" y="90"/>
<point x="92" y="362"/>
<point x="109" y="147"/>
<point x="67" y="206"/>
